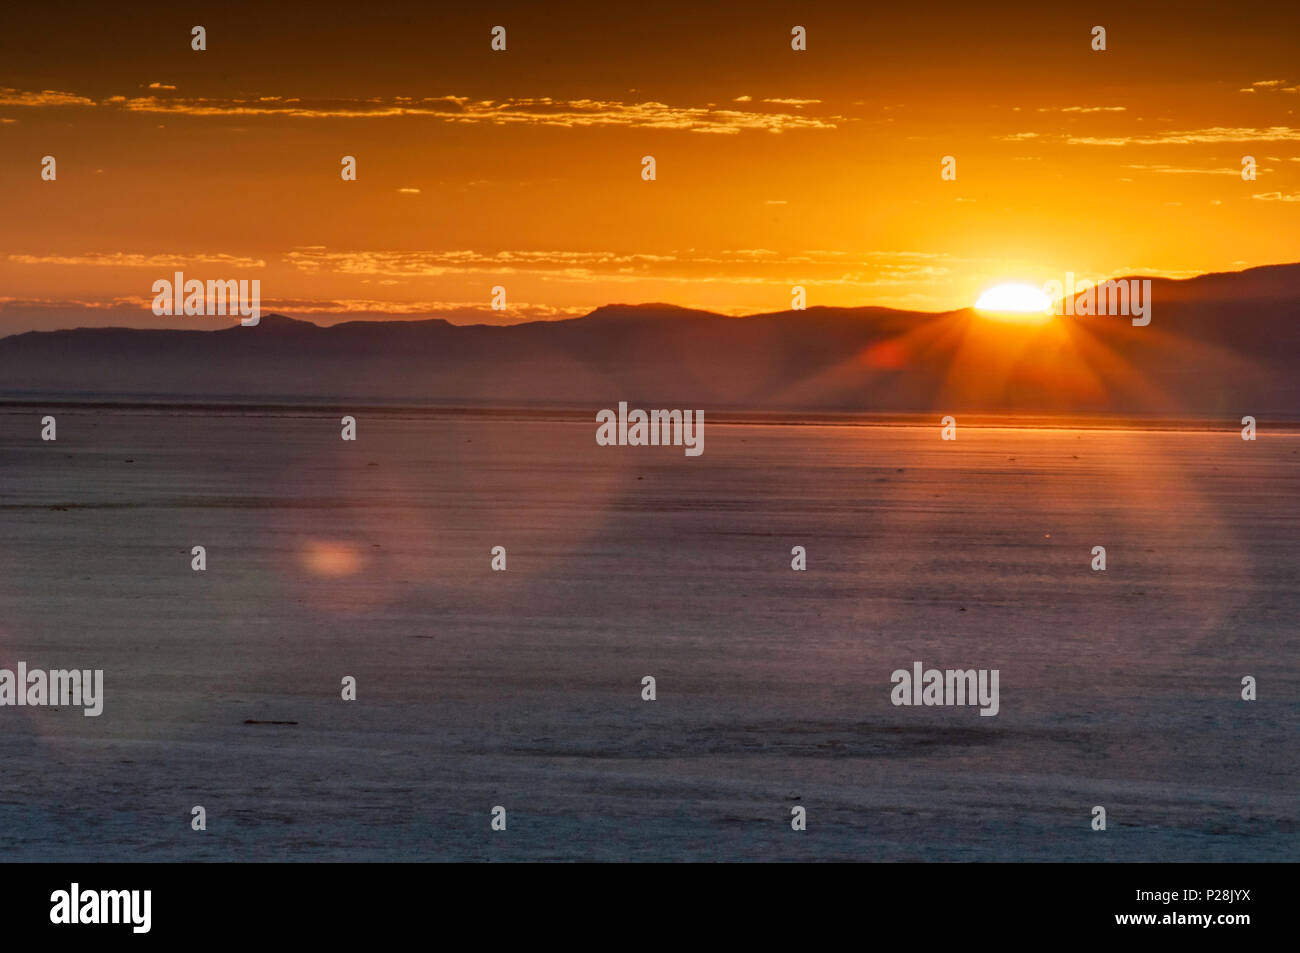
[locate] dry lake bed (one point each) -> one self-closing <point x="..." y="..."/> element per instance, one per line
<point x="372" y="559"/>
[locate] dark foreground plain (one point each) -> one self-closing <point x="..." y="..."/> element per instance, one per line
<point x="522" y="688"/>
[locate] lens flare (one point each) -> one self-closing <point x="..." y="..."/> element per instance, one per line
<point x="329" y="558"/>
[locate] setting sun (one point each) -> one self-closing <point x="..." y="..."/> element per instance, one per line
<point x="1020" y="303"/>
<point x="1013" y="297"/>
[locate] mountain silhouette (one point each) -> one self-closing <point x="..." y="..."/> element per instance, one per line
<point x="1217" y="345"/>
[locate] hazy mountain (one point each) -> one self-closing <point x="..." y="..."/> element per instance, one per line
<point x="1221" y="344"/>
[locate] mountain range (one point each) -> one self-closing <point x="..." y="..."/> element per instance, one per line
<point x="1224" y="344"/>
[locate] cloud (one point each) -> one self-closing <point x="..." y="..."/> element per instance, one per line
<point x="732" y="266"/>
<point x="1173" y="170"/>
<point x="1270" y="86"/>
<point x="1147" y="271"/>
<point x="1277" y="197"/>
<point x="1083" y="109"/>
<point x="99" y="304"/>
<point x="48" y="313"/>
<point x="1210" y="135"/>
<point x="537" y="111"/>
<point x="457" y="312"/>
<point x="46" y="97"/>
<point x="133" y="260"/>
<point x="434" y="264"/>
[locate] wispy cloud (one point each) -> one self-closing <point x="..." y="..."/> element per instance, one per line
<point x="866" y="269"/>
<point x="134" y="260"/>
<point x="45" y="97"/>
<point x="1277" y="197"/>
<point x="125" y="308"/>
<point x="1270" y="85"/>
<point x="1174" y="170"/>
<point x="120" y="302"/>
<point x="542" y="110"/>
<point x="454" y="311"/>
<point x="437" y="263"/>
<point x="1082" y="109"/>
<point x="1187" y="137"/>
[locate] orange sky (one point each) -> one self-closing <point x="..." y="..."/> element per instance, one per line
<point x="522" y="168"/>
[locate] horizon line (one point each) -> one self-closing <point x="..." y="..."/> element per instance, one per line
<point x="287" y="315"/>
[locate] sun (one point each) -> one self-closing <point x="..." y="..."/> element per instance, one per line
<point x="1017" y="303"/>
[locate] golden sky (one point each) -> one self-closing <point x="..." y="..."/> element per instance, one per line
<point x="523" y="168"/>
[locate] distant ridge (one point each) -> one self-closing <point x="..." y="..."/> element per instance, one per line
<point x="1218" y="345"/>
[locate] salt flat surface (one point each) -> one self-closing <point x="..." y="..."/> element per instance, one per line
<point x="522" y="688"/>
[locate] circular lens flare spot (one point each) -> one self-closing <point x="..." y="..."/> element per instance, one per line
<point x="325" y="558"/>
